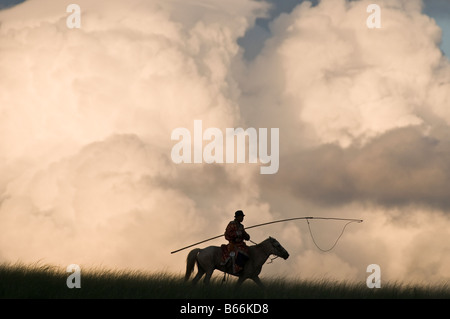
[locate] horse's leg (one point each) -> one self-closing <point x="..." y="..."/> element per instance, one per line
<point x="199" y="275"/>
<point x="258" y="282"/>
<point x="240" y="280"/>
<point x="208" y="277"/>
<point x="212" y="264"/>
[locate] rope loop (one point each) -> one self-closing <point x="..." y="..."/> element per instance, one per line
<point x="335" y="243"/>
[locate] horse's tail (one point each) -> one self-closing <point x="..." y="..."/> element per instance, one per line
<point x="190" y="262"/>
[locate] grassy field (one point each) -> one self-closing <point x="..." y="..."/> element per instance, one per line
<point x="44" y="281"/>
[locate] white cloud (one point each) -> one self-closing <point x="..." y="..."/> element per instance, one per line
<point x="348" y="83"/>
<point x="87" y="115"/>
<point x="357" y="108"/>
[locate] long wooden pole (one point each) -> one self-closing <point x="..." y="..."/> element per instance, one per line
<point x="268" y="223"/>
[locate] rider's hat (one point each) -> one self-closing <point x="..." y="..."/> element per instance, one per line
<point x="239" y="213"/>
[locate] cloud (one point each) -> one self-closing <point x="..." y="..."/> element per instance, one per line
<point x="363" y="118"/>
<point x="87" y="114"/>
<point x="97" y="205"/>
<point x="400" y="168"/>
<point x="362" y="112"/>
<point x="345" y="82"/>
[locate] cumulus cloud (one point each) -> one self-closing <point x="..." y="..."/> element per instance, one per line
<point x="364" y="119"/>
<point x="401" y="167"/>
<point x="362" y="111"/>
<point x="87" y="115"/>
<point x="349" y="83"/>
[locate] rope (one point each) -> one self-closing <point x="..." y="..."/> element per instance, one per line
<point x="305" y="217"/>
<point x="314" y="241"/>
<point x="277" y="221"/>
<point x="335" y="243"/>
<point x="272" y="259"/>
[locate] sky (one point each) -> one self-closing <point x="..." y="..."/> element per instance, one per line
<point x="87" y="115"/>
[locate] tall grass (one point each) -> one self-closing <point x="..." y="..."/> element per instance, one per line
<point x="46" y="281"/>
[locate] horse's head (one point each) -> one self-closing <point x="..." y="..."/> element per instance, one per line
<point x="277" y="249"/>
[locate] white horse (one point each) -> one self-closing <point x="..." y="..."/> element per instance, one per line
<point x="210" y="258"/>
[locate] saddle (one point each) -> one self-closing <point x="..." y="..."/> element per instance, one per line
<point x="233" y="256"/>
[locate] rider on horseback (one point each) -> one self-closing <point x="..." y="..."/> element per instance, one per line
<point x="235" y="234"/>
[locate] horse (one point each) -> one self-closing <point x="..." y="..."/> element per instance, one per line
<point x="210" y="258"/>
